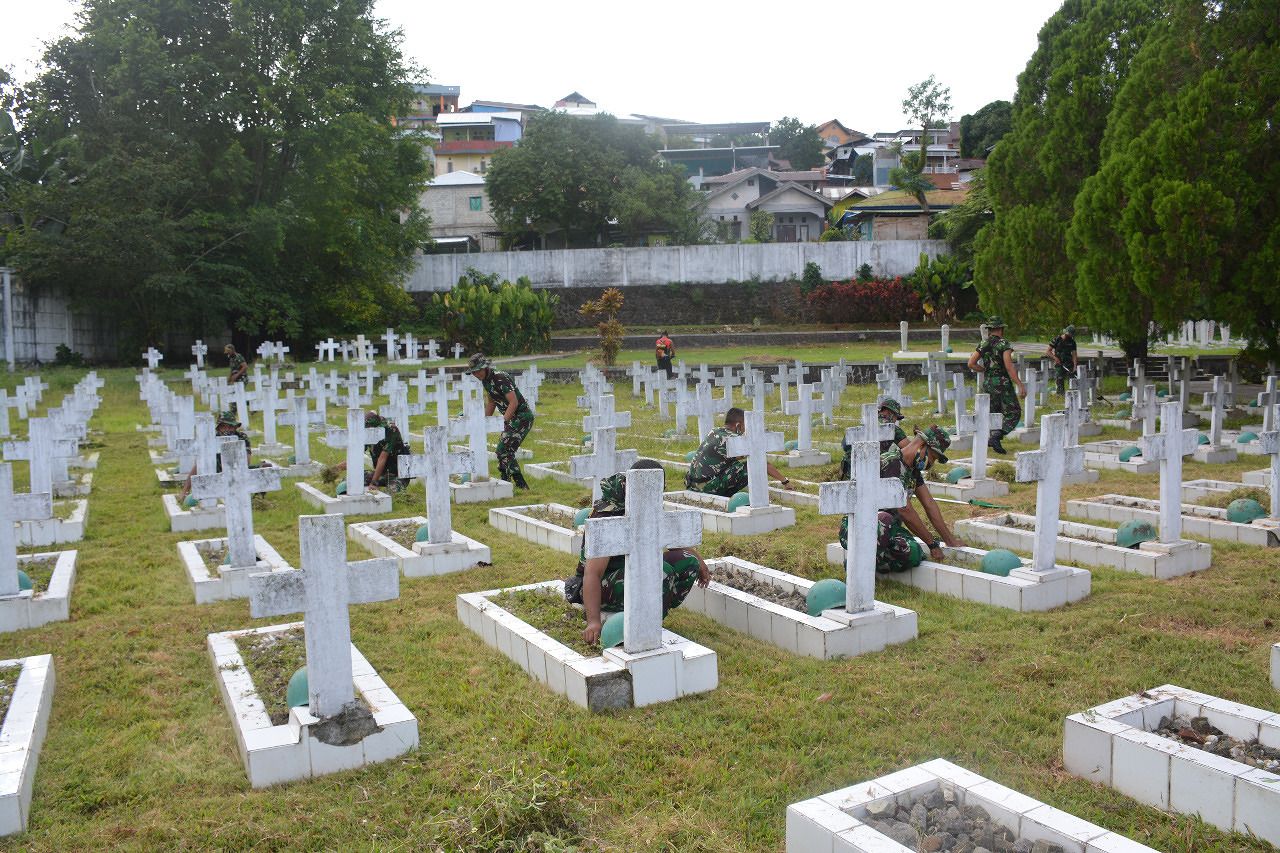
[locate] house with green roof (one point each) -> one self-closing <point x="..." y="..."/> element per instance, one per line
<point x="897" y="214"/>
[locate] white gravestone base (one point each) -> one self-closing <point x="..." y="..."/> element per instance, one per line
<point x="612" y="680"/>
<point x="481" y="491"/>
<point x="219" y="583"/>
<point x="1105" y="456"/>
<point x="184" y="520"/>
<point x="1085" y="545"/>
<point x="1194" y="491"/>
<point x="558" y="471"/>
<point x="27" y="610"/>
<point x="300" y="469"/>
<point x="41" y="532"/>
<point x="514" y="520"/>
<point x="744" y="521"/>
<point x="289" y="752"/>
<point x="1113" y="744"/>
<point x="801" y="458"/>
<point x="961" y="576"/>
<point x="833" y="634"/>
<point x="968" y="487"/>
<point x="24" y="728"/>
<point x="423" y="559"/>
<point x="1210" y="455"/>
<point x="946" y="490"/>
<point x="1204" y="521"/>
<point x="78" y="486"/>
<point x="839" y="820"/>
<point x="372" y="502"/>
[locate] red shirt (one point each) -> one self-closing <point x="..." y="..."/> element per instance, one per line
<point x="664" y="347"/>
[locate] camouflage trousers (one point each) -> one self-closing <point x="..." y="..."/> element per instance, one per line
<point x="893" y="543"/>
<point x="1004" y="401"/>
<point x="731" y="479"/>
<point x="1064" y="375"/>
<point x="513" y="434"/>
<point x="677" y="579"/>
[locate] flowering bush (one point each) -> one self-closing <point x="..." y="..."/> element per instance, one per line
<point x="865" y="302"/>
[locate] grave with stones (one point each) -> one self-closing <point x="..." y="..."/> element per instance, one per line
<point x="552" y="525"/>
<point x="653" y="665"/>
<point x="976" y="484"/>
<point x="1184" y="752"/>
<point x="921" y="807"/>
<point x="357" y="499"/>
<point x="219" y="569"/>
<point x="755" y="515"/>
<point x="23" y="729"/>
<point x="1036" y="584"/>
<point x="65" y="521"/>
<point x="802" y="454"/>
<point x="26" y="599"/>
<point x="299" y="415"/>
<point x="423" y="547"/>
<point x="351" y="717"/>
<point x="476" y="486"/>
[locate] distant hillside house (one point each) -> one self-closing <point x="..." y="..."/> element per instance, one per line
<point x="794" y="198"/>
<point x="469" y="140"/>
<point x="429" y="101"/>
<point x="461" y="217"/>
<point x="897" y="215"/>
<point x="573" y="100"/>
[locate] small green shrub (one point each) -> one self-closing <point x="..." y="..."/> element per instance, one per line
<point x="496" y="317"/>
<point x="866" y="273"/>
<point x="811" y="279"/>
<point x="64" y="356"/>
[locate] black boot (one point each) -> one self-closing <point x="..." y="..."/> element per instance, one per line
<point x="994" y="443"/>
<point x="517" y="478"/>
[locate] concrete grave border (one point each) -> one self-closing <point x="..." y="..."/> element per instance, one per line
<point x="835" y="821"/>
<point x="211" y="583"/>
<point x="55" y="531"/>
<point x="512" y="519"/>
<point x="1204" y="521"/>
<point x="614" y="679"/>
<point x="423" y="559"/>
<point x="286" y="753"/>
<point x="744" y="521"/>
<point x="1112" y="744"/>
<point x="372" y="502"/>
<point x="183" y="520"/>
<point x="26" y="610"/>
<point x="21" y="737"/>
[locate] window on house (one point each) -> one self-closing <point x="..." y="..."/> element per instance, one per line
<point x="482" y="164"/>
<point x="450" y="165"/>
<point x="476" y="202"/>
<point x="751" y="182"/>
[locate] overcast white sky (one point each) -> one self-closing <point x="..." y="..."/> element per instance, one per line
<point x="694" y="60"/>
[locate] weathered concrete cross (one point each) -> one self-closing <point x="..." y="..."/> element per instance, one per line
<point x="604" y="460"/>
<point x="199" y="349"/>
<point x="1216" y="401"/>
<point x="1270" y="442"/>
<point x="606" y="416"/>
<point x="441" y="394"/>
<point x="755" y="443"/>
<point x="353" y="439"/>
<point x="393" y="348"/>
<point x="802" y="407"/>
<point x="458" y="350"/>
<point x="1168" y="447"/>
<point x="300" y="416"/>
<point x="322" y="589"/>
<point x="642" y="535"/>
<point x="1047" y="467"/>
<point x="15" y="508"/>
<point x="981" y="423"/>
<point x="475" y="427"/>
<point x="959" y="396"/>
<point x="153" y="357"/>
<point x="236" y="484"/>
<point x="861" y="499"/>
<point x="433" y="466"/>
<point x="326" y="349"/>
<point x="1032" y="382"/>
<point x="433" y="350"/>
<point x="39" y="451"/>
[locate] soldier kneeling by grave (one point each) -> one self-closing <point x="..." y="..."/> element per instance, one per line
<point x="712" y="472"/>
<point x="226" y="427"/>
<point x="386" y="453"/>
<point x="599" y="583"/>
<point x="890" y="412"/>
<point x="896" y="548"/>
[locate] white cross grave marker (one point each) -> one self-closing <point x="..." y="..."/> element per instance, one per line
<point x="604" y="460"/>
<point x="393" y="349"/>
<point x="475" y="427"/>
<point x="301" y="418"/>
<point x="861" y="499"/>
<point x="199" y="349"/>
<point x="433" y="350"/>
<point x="153" y="357"/>
<point x="1216" y="400"/>
<point x="458" y="350"/>
<point x="1168" y="447"/>
<point x="326" y="349"/>
<point x="707" y="408"/>
<point x="803" y="408"/>
<point x="353" y="439"/>
<point x="15" y="508"/>
<point x="981" y="423"/>
<point x="441" y="394"/>
<point x="236" y="485"/>
<point x="642" y="535"/>
<point x="39" y="451"/>
<point x="433" y="466"/>
<point x="1270" y="442"/>
<point x="606" y="416"/>
<point x="755" y="443"/>
<point x="1047" y="467"/>
<point x="322" y="589"/>
<point x="1032" y="383"/>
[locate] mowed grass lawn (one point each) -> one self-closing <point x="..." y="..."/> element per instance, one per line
<point x="140" y="752"/>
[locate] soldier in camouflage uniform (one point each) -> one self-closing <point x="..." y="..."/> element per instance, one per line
<point x="890" y="412"/>
<point x="896" y="548"/>
<point x="599" y="583"/>
<point x="1065" y="358"/>
<point x="386" y="452"/>
<point x="994" y="360"/>
<point x="227" y="427"/>
<point x="713" y="472"/>
<point x="504" y="397"/>
<point x="239" y="369"/>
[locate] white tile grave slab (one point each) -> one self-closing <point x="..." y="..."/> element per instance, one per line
<point x="221" y="582"/>
<point x="611" y="680"/>
<point x="372" y="502"/>
<point x="481" y="491"/>
<point x="516" y="521"/>
<point x="189" y="520"/>
<point x="1206" y="522"/>
<point x="423" y="559"/>
<point x="55" y="531"/>
<point x="286" y="753"/>
<point x="1113" y="744"/>
<point x="838" y="821"/>
<point x="820" y="636"/>
<point x="744" y="521"/>
<point x="21" y="736"/>
<point x="53" y="604"/>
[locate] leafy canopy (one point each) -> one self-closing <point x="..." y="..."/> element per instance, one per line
<point x="798" y="143"/>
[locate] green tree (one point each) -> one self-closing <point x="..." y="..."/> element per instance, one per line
<point x="862" y="172"/>
<point x="1180" y="220"/>
<point x="927" y="104"/>
<point x="980" y="131"/>
<point x="798" y="143"/>
<point x="1060" y="110"/>
<point x="960" y="224"/>
<point x="223" y="164"/>
<point x="658" y="199"/>
<point x="572" y="175"/>
<point x="909" y="176"/>
<point x="760" y="227"/>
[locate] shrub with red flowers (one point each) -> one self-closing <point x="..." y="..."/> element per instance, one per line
<point x="865" y="302"/>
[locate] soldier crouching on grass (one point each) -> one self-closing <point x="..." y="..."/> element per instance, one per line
<point x="713" y="472"/>
<point x="599" y="584"/>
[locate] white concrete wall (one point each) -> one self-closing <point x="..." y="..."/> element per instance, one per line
<point x="44" y="320"/>
<point x="664" y="265"/>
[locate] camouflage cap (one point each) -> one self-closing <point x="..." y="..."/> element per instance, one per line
<point x="937" y="440"/>
<point x="995" y="322"/>
<point x="893" y="406"/>
<point x="479" y="361"/>
<point x="228" y="418"/>
<point x="1069" y="330"/>
<point x="613" y="496"/>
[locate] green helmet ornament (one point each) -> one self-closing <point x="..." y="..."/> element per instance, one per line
<point x="24" y="580"/>
<point x="791" y="445"/>
<point x="826" y="594"/>
<point x="423" y="534"/>
<point x="1000" y="562"/>
<point x="190" y="501"/>
<point x="668" y="433"/>
<point x="917" y="552"/>
<point x="611" y="633"/>
<point x="957" y="474"/>
<point x="1162" y="393"/>
<point x="580" y="517"/>
<point x="1202" y="439"/>
<point x="1245" y="511"/>
<point x="1125" y="395"/>
<point x="298" y="692"/>
<point x="586" y="438"/>
<point x="741" y="499"/>
<point x="1133" y="533"/>
<point x="293" y="460"/>
<point x="1130" y="452"/>
<point x="1247" y="437"/>
<point x="688" y="457"/>
<point x="341" y="488"/>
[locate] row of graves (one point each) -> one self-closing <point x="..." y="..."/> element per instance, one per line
<point x="45" y="484"/>
<point x="397" y="349"/>
<point x="344" y="716"/>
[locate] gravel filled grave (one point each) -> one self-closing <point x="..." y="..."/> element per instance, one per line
<point x="1199" y="733"/>
<point x="749" y="583"/>
<point x="551" y="516"/>
<point x="936" y="822"/>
